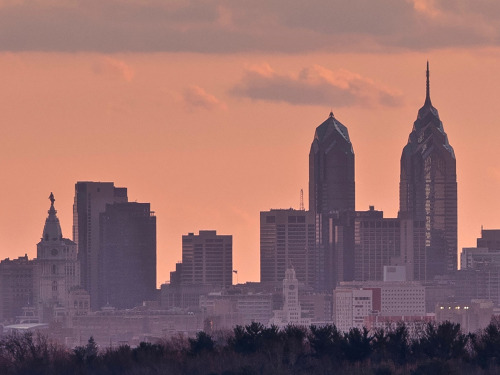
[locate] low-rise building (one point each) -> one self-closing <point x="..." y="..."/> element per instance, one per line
<point x="472" y="316"/>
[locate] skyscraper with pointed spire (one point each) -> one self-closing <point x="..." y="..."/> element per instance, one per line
<point x="332" y="201"/>
<point x="428" y="192"/>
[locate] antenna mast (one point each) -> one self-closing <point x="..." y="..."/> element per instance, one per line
<point x="301" y="206"/>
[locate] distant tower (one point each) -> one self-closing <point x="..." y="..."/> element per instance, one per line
<point x="57" y="270"/>
<point x="428" y="192"/>
<point x="291" y="313"/>
<point x="207" y="259"/>
<point x="127" y="263"/>
<point x="287" y="237"/>
<point x="331" y="169"/>
<point x="332" y="201"/>
<point x="91" y="199"/>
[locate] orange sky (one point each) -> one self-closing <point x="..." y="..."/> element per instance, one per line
<point x="212" y="133"/>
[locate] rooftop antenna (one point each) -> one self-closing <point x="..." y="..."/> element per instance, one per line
<point x="301" y="206"/>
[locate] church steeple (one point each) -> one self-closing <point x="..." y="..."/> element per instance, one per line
<point x="52" y="228"/>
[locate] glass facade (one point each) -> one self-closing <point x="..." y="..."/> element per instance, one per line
<point x="332" y="200"/>
<point x="428" y="191"/>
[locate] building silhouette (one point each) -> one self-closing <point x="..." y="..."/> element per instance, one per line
<point x="91" y="199"/>
<point x="377" y="243"/>
<point x="332" y="202"/>
<point x="287" y="237"/>
<point x="428" y="192"/>
<point x="127" y="262"/>
<point x="16" y="287"/>
<point x="57" y="270"/>
<point x="207" y="259"/>
<point x="490" y="239"/>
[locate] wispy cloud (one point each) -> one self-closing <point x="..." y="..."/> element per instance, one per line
<point x="195" y="97"/>
<point x="113" y="68"/>
<point x="314" y="85"/>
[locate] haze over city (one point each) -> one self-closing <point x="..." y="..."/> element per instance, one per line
<point x="210" y="116"/>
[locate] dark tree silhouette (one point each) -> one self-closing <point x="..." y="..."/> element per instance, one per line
<point x="357" y="345"/>
<point x="201" y="344"/>
<point x="444" y="341"/>
<point x="486" y="345"/>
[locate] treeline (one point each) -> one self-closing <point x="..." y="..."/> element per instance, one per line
<point x="255" y="349"/>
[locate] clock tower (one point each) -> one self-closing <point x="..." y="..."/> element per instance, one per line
<point x="57" y="270"/>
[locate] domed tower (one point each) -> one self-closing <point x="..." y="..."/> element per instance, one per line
<point x="57" y="270"/>
<point x="332" y="201"/>
<point x="428" y="193"/>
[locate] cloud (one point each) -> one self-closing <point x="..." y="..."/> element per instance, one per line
<point x="195" y="97"/>
<point x="113" y="68"/>
<point x="228" y="26"/>
<point x="314" y="85"/>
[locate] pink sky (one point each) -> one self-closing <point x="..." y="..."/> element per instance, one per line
<point x="207" y="111"/>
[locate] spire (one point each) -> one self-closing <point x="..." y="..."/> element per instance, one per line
<point x="52" y="229"/>
<point x="427" y="89"/>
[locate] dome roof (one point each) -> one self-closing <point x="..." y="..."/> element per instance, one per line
<point x="52" y="228"/>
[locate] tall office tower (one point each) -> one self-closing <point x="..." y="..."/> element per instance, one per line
<point x="207" y="259"/>
<point x="90" y="201"/>
<point x="287" y="238"/>
<point x="57" y="270"/>
<point x="127" y="263"/>
<point x="331" y="200"/>
<point x="377" y="243"/>
<point x="428" y="191"/>
<point x="16" y="287"/>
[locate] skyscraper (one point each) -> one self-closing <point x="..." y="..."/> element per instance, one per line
<point x="428" y="191"/>
<point x="90" y="201"/>
<point x="207" y="259"/>
<point x="287" y="238"/>
<point x="377" y="243"/>
<point x="127" y="262"/>
<point x="331" y="169"/>
<point x="332" y="202"/>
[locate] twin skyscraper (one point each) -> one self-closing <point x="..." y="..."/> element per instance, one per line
<point x="338" y="243"/>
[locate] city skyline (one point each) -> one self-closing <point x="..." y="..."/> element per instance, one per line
<point x="213" y="133"/>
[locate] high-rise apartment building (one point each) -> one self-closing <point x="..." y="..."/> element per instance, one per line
<point x="207" y="259"/>
<point x="91" y="199"/>
<point x="127" y="263"/>
<point x="428" y="191"/>
<point x="332" y="202"/>
<point x="287" y="238"/>
<point x="57" y="270"/>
